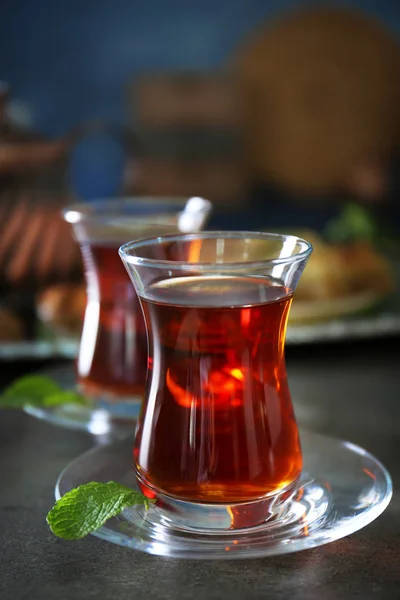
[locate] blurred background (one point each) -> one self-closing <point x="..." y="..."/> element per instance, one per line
<point x="285" y="114"/>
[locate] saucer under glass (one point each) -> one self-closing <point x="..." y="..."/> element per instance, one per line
<point x="342" y="489"/>
<point x="99" y="417"/>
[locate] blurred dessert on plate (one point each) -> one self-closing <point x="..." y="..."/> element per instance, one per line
<point x="61" y="307"/>
<point x="341" y="279"/>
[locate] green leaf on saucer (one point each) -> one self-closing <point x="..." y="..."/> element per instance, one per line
<point x="87" y="507"/>
<point x="64" y="397"/>
<point x="37" y="390"/>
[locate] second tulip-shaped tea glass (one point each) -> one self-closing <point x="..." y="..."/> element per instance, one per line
<point x="112" y="360"/>
<point x="217" y="442"/>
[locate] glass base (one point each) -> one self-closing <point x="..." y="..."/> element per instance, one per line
<point x="202" y="516"/>
<point x="341" y="490"/>
<point x="102" y="416"/>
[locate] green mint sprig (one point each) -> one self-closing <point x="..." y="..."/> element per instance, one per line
<point x="354" y="223"/>
<point x="37" y="390"/>
<point x="87" y="507"/>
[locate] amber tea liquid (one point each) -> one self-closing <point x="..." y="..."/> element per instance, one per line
<point x="220" y="426"/>
<point x="113" y="351"/>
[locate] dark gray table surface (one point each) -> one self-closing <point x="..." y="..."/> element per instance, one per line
<point x="349" y="391"/>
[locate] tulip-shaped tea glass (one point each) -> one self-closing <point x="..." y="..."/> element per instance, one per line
<point x="217" y="442"/>
<point x="112" y="360"/>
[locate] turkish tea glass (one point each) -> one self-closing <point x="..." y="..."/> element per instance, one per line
<point x="217" y="442"/>
<point x="112" y="359"/>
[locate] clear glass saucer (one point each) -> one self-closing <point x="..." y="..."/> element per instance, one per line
<point x="101" y="417"/>
<point x="342" y="489"/>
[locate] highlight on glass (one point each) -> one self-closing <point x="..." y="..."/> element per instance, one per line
<point x="217" y="441"/>
<point x="112" y="360"/>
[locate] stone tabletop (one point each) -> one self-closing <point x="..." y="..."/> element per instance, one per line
<point x="349" y="391"/>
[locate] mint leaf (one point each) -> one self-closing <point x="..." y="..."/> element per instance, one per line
<point x="30" y="389"/>
<point x="87" y="507"/>
<point x="37" y="390"/>
<point x="64" y="397"/>
<point x="355" y="223"/>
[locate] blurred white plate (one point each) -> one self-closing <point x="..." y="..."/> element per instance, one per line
<point x="39" y="349"/>
<point x="309" y="323"/>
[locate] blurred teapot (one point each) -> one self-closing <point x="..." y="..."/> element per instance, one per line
<point x="36" y="245"/>
<point x="23" y="151"/>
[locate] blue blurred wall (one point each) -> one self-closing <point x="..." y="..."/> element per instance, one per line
<point x="71" y="60"/>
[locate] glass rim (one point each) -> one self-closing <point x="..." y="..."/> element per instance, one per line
<point x="123" y="251"/>
<point x="78" y="212"/>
